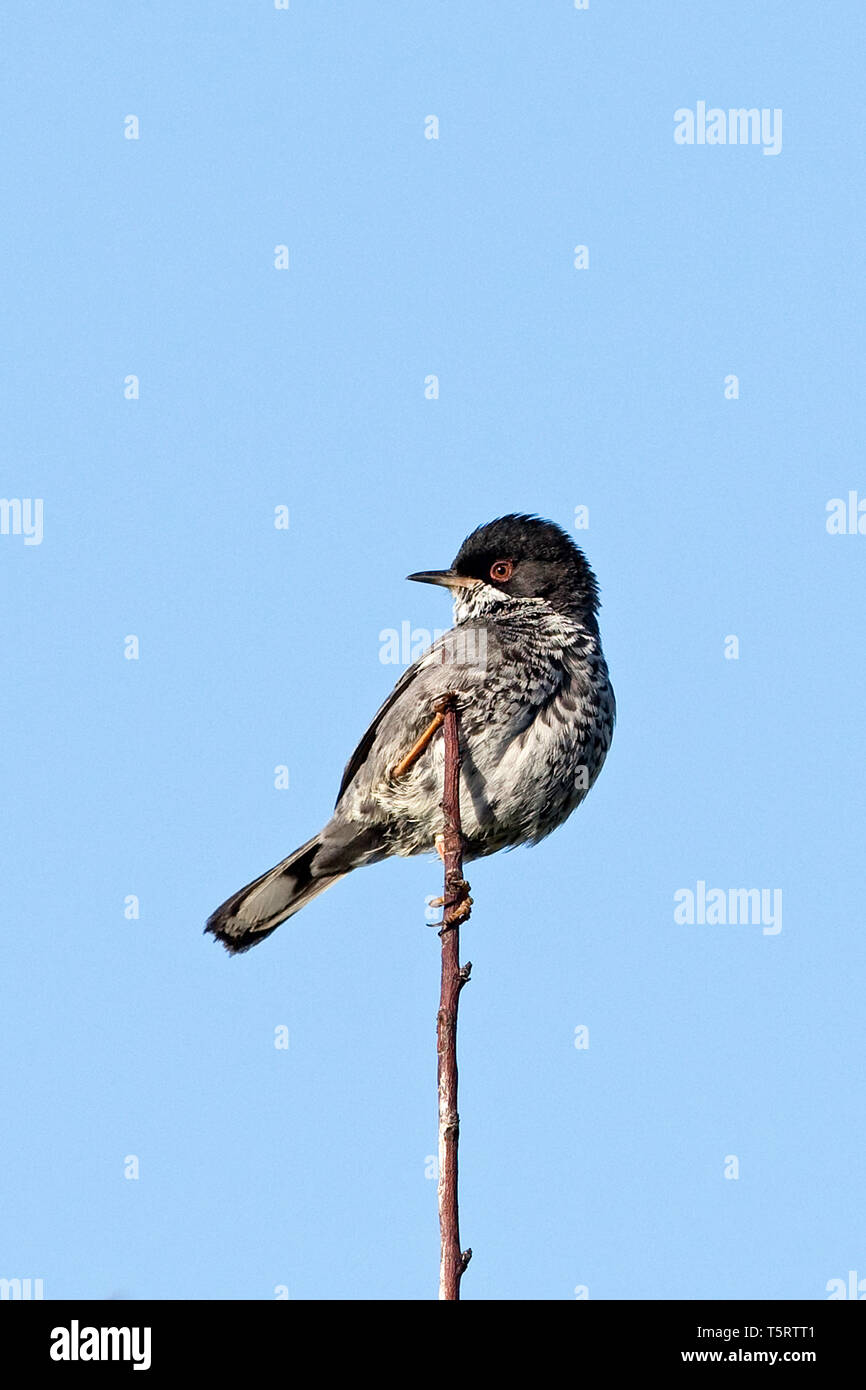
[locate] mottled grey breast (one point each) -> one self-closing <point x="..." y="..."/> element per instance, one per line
<point x="535" y="711"/>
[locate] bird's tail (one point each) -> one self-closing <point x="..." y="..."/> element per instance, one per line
<point x="254" y="912"/>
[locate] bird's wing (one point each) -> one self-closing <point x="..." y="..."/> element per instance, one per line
<point x="452" y="659"/>
<point x="359" y="757"/>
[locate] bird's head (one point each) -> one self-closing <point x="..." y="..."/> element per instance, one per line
<point x="519" y="557"/>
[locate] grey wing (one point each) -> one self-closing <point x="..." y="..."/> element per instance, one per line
<point x="359" y="757"/>
<point x="455" y="661"/>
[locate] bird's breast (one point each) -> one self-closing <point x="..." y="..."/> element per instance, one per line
<point x="532" y="742"/>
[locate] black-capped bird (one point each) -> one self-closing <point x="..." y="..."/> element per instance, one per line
<point x="536" y="713"/>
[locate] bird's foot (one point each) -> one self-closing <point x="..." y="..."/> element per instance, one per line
<point x="458" y="906"/>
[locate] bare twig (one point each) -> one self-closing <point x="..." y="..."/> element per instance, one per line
<point x="457" y="906"/>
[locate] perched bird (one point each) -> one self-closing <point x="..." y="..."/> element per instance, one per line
<point x="535" y="709"/>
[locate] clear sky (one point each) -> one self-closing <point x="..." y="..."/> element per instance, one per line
<point x="135" y="1043"/>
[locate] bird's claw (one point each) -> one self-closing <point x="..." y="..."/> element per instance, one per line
<point x="458" y="908"/>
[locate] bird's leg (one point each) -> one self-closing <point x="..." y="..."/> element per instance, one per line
<point x="418" y="746"/>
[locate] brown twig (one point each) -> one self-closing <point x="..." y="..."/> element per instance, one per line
<point x="457" y="906"/>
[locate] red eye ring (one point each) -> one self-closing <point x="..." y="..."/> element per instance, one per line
<point x="501" y="571"/>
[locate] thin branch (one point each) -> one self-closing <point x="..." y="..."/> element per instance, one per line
<point x="457" y="907"/>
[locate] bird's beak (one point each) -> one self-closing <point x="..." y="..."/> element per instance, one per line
<point x="447" y="578"/>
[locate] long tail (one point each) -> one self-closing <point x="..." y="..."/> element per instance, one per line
<point x="255" y="911"/>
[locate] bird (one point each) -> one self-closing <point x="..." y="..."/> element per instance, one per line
<point x="535" y="709"/>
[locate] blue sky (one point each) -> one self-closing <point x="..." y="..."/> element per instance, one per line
<point x="304" y="1168"/>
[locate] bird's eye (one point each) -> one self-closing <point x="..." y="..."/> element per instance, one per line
<point x="502" y="571"/>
